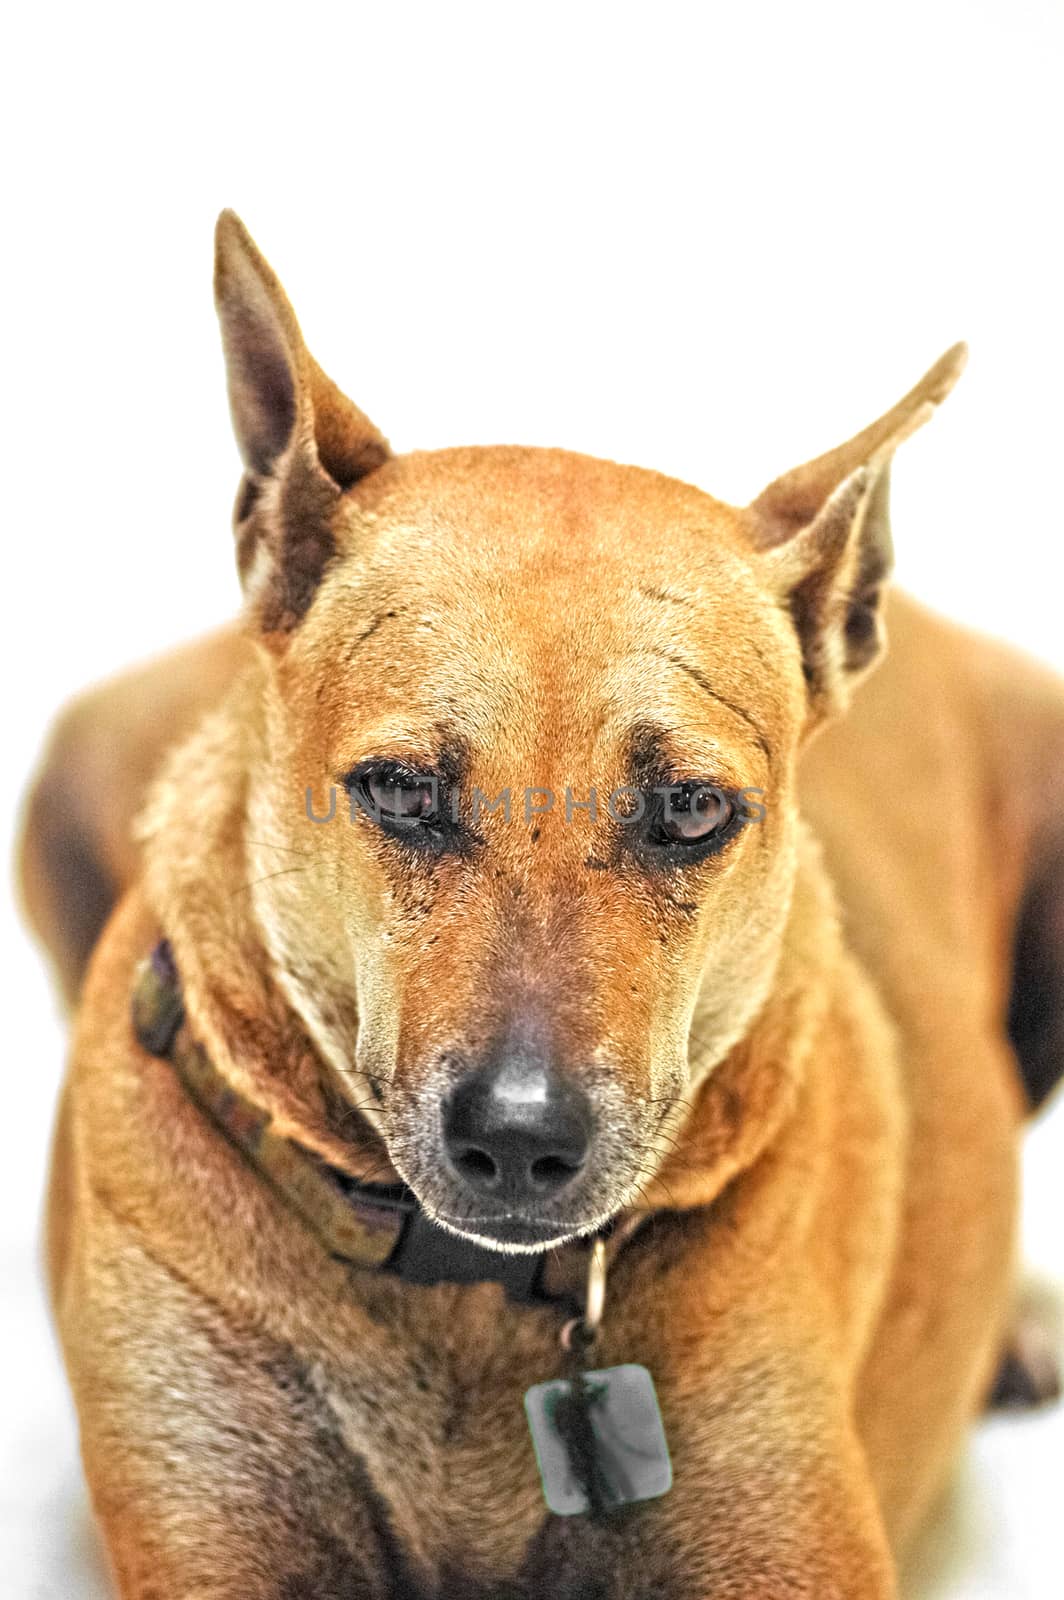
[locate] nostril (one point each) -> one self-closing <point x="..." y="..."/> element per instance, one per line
<point x="477" y="1165"/>
<point x="550" y="1172"/>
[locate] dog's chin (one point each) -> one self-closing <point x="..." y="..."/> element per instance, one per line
<point x="515" y="1235"/>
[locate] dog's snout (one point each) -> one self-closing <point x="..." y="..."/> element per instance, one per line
<point x="516" y="1131"/>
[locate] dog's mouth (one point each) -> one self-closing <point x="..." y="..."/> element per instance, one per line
<point x="516" y="1232"/>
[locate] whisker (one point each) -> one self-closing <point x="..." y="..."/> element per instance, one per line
<point x="372" y="1077"/>
<point x="283" y="872"/>
<point x="268" y="844"/>
<point x="655" y="1178"/>
<point x="362" y="1106"/>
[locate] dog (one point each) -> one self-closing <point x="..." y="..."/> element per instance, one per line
<point x="517" y="882"/>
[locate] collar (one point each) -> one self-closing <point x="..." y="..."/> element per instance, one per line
<point x="373" y="1226"/>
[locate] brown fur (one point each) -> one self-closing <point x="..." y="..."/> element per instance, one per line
<point x="798" y="1048"/>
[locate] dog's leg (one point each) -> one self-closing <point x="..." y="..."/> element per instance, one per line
<point x="77" y="852"/>
<point x="215" y="1470"/>
<point x="772" y="1496"/>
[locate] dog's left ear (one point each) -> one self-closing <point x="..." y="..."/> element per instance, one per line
<point x="824" y="532"/>
<point x="302" y="441"/>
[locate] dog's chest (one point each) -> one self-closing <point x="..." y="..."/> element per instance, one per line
<point x="435" y="1415"/>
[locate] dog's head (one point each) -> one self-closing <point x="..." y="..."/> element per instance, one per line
<point x="526" y="796"/>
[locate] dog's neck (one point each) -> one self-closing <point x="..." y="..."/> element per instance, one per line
<point x="193" y="832"/>
<point x="258" y="1040"/>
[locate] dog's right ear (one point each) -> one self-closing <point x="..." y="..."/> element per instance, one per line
<point x="302" y="441"/>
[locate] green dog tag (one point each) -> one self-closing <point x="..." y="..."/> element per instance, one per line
<point x="599" y="1440"/>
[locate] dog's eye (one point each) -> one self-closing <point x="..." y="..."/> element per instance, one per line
<point x="694" y="814"/>
<point x="395" y="797"/>
<point x="401" y="797"/>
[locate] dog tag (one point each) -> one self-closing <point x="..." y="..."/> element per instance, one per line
<point x="599" y="1440"/>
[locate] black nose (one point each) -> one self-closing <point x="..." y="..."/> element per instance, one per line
<point x="517" y="1131"/>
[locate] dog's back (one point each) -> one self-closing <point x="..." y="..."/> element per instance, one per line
<point x="938" y="800"/>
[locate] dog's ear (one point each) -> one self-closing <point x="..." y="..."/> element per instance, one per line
<point x="824" y="530"/>
<point x="302" y="441"/>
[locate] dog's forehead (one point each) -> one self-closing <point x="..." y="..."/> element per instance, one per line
<point x="484" y="590"/>
<point x="512" y="504"/>
<point x="520" y="530"/>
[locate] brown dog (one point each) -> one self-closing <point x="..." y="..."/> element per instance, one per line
<point x="776" y="1030"/>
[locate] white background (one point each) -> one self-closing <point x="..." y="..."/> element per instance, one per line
<point x="711" y="239"/>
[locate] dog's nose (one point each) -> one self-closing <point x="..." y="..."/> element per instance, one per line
<point x="517" y="1131"/>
